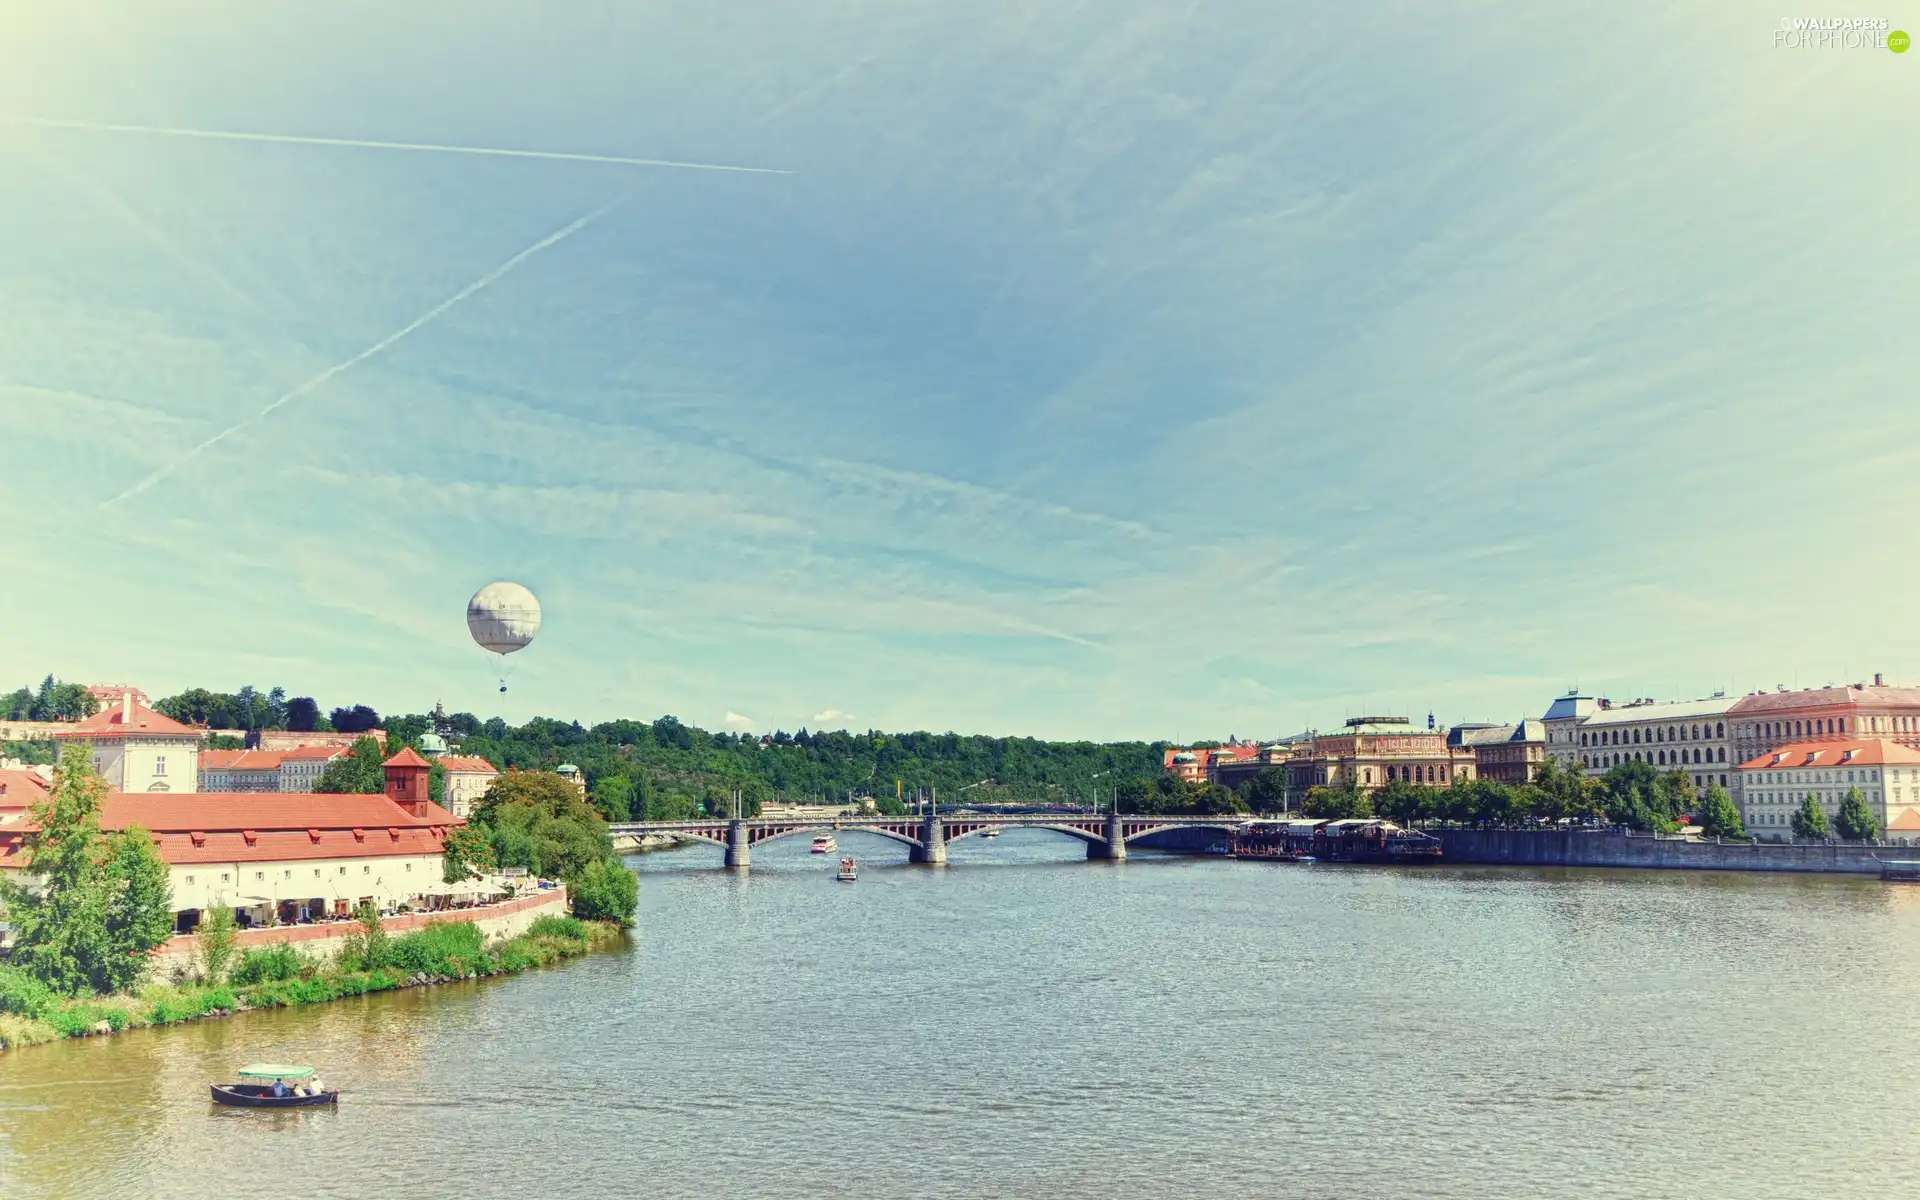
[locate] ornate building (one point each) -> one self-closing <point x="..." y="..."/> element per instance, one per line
<point x="1508" y="753"/>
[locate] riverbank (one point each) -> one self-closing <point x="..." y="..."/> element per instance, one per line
<point x="1612" y="848"/>
<point x="278" y="976"/>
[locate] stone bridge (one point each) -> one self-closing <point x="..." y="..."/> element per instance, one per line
<point x="926" y="838"/>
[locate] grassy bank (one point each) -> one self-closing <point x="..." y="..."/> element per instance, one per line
<point x="280" y="977"/>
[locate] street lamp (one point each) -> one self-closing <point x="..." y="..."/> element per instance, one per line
<point x="1096" y="791"/>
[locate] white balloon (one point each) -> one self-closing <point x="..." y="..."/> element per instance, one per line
<point x="503" y="617"/>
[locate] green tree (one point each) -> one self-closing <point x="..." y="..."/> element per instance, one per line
<point x="213" y="939"/>
<point x="1810" y="820"/>
<point x="604" y="890"/>
<point x="1267" y="791"/>
<point x="1855" y="821"/>
<point x="613" y="796"/>
<point x="1339" y="802"/>
<point x="59" y="923"/>
<point x="1719" y="816"/>
<point x="358" y="771"/>
<point x="466" y="854"/>
<point x="370" y="948"/>
<point x="139" y="908"/>
<point x="1401" y="801"/>
<point x="538" y="820"/>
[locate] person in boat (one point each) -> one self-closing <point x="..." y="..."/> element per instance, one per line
<point x="279" y="1087"/>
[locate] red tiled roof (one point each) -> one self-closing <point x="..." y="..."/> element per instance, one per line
<point x="241" y="760"/>
<point x="271" y="827"/>
<point x="408" y="757"/>
<point x="309" y="752"/>
<point x="21" y="788"/>
<point x="1767" y="703"/>
<point x="467" y="764"/>
<point x="1867" y="752"/>
<point x="1907" y="820"/>
<point x="107" y="723"/>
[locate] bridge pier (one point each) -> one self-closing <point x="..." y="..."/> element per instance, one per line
<point x="932" y="849"/>
<point x="739" y="853"/>
<point x="1115" y="847"/>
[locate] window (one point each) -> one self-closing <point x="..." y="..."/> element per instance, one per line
<point x="259" y="874"/>
<point x="223" y="877"/>
<point x="189" y="879"/>
<point x="343" y="870"/>
<point x="289" y="872"/>
<point x="367" y="868"/>
<point x="409" y="866"/>
<point x="159" y="764"/>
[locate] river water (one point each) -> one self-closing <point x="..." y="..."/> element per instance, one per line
<point x="1025" y="1023"/>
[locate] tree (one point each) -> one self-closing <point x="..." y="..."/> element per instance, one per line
<point x="613" y="797"/>
<point x="466" y="854"/>
<point x="1719" y="817"/>
<point x="1810" y="820"/>
<point x="59" y="924"/>
<point x="1401" y="801"/>
<point x="1340" y="802"/>
<point x="1267" y="791"/>
<point x="358" y="770"/>
<point x="302" y="712"/>
<point x="538" y="820"/>
<point x="358" y="719"/>
<point x="139" y="907"/>
<point x="213" y="942"/>
<point x="604" y="890"/>
<point x="1855" y="821"/>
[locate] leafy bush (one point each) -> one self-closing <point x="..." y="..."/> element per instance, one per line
<point x="175" y="1006"/>
<point x="553" y="925"/>
<point x="371" y="948"/>
<point x="605" y="890"/>
<point x="449" y="948"/>
<point x="22" y="994"/>
<point x="214" y="936"/>
<point x="267" y="964"/>
<point x="16" y="1031"/>
<point x="77" y="1020"/>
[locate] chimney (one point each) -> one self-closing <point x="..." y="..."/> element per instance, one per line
<point x="1876" y="680"/>
<point x="126" y="707"/>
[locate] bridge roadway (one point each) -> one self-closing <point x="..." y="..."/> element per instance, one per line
<point x="926" y="838"/>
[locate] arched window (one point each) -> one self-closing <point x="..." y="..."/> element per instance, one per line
<point x="1636" y="737"/>
<point x="1663" y="758"/>
<point x="1720" y="730"/>
<point x="1723" y="754"/>
<point x="1583" y="739"/>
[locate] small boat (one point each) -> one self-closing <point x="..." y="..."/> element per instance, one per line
<point x="823" y="844"/>
<point x="255" y="1089"/>
<point x="989" y="833"/>
<point x="846" y="871"/>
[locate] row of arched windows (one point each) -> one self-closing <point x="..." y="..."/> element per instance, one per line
<point x="1794" y="729"/>
<point x="1418" y="773"/>
<point x="1660" y="758"/>
<point x="1672" y="733"/>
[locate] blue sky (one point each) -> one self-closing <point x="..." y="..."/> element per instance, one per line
<point x="1118" y="370"/>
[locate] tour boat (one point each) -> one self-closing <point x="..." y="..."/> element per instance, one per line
<point x="255" y="1089"/>
<point x="823" y="843"/>
<point x="846" y="870"/>
<point x="1265" y="840"/>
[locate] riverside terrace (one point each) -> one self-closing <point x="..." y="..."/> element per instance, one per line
<point x="1106" y="837"/>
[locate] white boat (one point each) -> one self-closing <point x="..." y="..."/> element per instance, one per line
<point x="846" y="871"/>
<point x="823" y="844"/>
<point x="989" y="833"/>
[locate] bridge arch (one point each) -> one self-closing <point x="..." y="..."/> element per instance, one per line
<point x="1079" y="835"/>
<point x="816" y="830"/>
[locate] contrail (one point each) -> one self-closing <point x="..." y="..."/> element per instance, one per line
<point x="367" y="144"/>
<point x="480" y="284"/>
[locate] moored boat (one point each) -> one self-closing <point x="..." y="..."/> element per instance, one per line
<point x="1265" y="840"/>
<point x="275" y="1085"/>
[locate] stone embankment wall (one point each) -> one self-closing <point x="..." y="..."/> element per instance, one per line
<point x="504" y="920"/>
<point x="1557" y="848"/>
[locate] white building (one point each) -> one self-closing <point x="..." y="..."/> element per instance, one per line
<point x="1887" y="773"/>
<point x="467" y="779"/>
<point x="139" y="750"/>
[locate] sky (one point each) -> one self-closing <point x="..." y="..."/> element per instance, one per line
<point x="1119" y="370"/>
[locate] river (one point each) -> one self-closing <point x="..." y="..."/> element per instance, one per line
<point x="1026" y="1023"/>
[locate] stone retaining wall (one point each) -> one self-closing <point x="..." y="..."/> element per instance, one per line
<point x="1592" y="848"/>
<point x="323" y="941"/>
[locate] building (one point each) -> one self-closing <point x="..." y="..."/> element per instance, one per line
<point x="280" y="858"/>
<point x="288" y="739"/>
<point x="1370" y="752"/>
<point x="265" y="770"/>
<point x="467" y="780"/>
<point x="1562" y="724"/>
<point x="1508" y="753"/>
<point x="1764" y="721"/>
<point x="1203" y="764"/>
<point x="1887" y="773"/>
<point x="110" y="695"/>
<point x="138" y="749"/>
<point x="572" y="775"/>
<point x="20" y="790"/>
